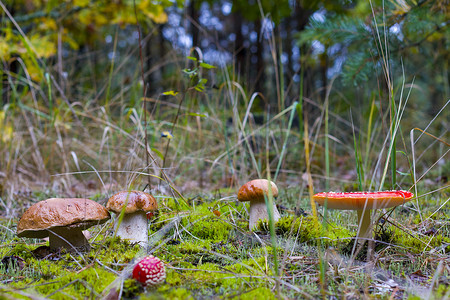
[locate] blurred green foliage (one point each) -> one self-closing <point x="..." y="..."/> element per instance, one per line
<point x="31" y="29"/>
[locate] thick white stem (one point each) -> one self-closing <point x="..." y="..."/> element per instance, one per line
<point x="258" y="211"/>
<point x="133" y="227"/>
<point x="71" y="239"/>
<point x="365" y="226"/>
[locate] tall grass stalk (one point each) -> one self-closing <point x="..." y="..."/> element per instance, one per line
<point x="369" y="137"/>
<point x="358" y="160"/>
<point x="269" y="206"/>
<point x="50" y="98"/>
<point x="144" y="92"/>
<point x="275" y="58"/>
<point x="283" y="149"/>
<point x="394" y="128"/>
<point x="308" y="167"/>
<point x="393" y="146"/>
<point x="111" y="70"/>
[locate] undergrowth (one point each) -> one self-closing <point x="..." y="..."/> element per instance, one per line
<point x="208" y="254"/>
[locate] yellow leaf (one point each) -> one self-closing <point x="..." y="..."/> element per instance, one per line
<point x="5" y="49"/>
<point x="69" y="40"/>
<point x="47" y="24"/>
<point x="43" y="45"/>
<point x="87" y="17"/>
<point x="33" y="70"/>
<point x="6" y="130"/>
<point x="153" y="11"/>
<point x="81" y="3"/>
<point x="160" y="17"/>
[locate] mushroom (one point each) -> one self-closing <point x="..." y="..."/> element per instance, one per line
<point x="134" y="205"/>
<point x="363" y="202"/>
<point x="62" y="220"/>
<point x="255" y="191"/>
<point x="149" y="271"/>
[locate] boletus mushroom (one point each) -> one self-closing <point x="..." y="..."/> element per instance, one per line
<point x="62" y="220"/>
<point x="134" y="205"/>
<point x="255" y="191"/>
<point x="363" y="202"/>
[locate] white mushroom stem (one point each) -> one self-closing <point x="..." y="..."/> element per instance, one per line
<point x="133" y="227"/>
<point x="71" y="239"/>
<point x="258" y="211"/>
<point x="364" y="231"/>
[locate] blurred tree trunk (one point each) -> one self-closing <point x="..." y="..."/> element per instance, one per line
<point x="240" y="52"/>
<point x="194" y="18"/>
<point x="149" y="61"/>
<point x="155" y="53"/>
<point x="162" y="52"/>
<point x="260" y="65"/>
<point x="288" y="29"/>
<point x="301" y="16"/>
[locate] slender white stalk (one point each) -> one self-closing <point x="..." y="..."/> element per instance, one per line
<point x="365" y="226"/>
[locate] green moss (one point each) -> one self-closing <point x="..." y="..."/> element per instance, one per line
<point x="65" y="274"/>
<point x="306" y="230"/>
<point x="208" y="227"/>
<point x="418" y="244"/>
<point x="167" y="292"/>
<point x="114" y="250"/>
<point x="257" y="294"/>
<point x="131" y="288"/>
<point x="215" y="278"/>
<point x="204" y="224"/>
<point x="199" y="221"/>
<point x="89" y="282"/>
<point x="442" y="291"/>
<point x="431" y="215"/>
<point x="22" y="250"/>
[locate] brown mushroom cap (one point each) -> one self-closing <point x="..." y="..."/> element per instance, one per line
<point x="256" y="189"/>
<point x="134" y="201"/>
<point x="357" y="200"/>
<point x="60" y="212"/>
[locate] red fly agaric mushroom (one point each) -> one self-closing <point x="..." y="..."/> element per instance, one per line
<point x="255" y="191"/>
<point x="363" y="202"/>
<point x="149" y="271"/>
<point x="134" y="205"/>
<point x="62" y="220"/>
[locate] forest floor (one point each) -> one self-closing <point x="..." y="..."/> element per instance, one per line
<point x="209" y="252"/>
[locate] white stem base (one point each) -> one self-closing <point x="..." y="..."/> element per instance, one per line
<point x="258" y="211"/>
<point x="70" y="239"/>
<point x="133" y="228"/>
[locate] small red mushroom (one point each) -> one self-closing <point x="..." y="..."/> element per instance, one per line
<point x="149" y="271"/>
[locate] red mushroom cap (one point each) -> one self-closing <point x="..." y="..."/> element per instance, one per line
<point x="149" y="271"/>
<point x="361" y="200"/>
